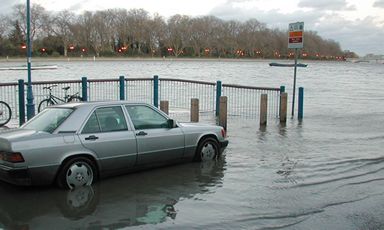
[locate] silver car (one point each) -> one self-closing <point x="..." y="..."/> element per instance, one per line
<point x="75" y="144"/>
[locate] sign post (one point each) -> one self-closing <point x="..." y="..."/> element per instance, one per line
<point x="295" y="41"/>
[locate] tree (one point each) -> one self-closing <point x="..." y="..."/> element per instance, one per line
<point x="156" y="32"/>
<point x="134" y="32"/>
<point x="16" y="39"/>
<point x="3" y="26"/>
<point x="62" y="28"/>
<point x="178" y="33"/>
<point x="139" y="28"/>
<point x="40" y="20"/>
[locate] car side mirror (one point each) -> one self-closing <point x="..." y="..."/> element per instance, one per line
<point x="172" y="123"/>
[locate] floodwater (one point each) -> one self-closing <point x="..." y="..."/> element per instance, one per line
<point x="325" y="172"/>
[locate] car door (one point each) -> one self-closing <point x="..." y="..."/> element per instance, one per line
<point x="107" y="134"/>
<point x="156" y="141"/>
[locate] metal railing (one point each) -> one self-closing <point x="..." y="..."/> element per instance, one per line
<point x="9" y="94"/>
<point x="179" y="93"/>
<point x="242" y="100"/>
<point x="139" y="89"/>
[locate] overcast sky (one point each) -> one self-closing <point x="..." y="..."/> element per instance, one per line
<point x="358" y="25"/>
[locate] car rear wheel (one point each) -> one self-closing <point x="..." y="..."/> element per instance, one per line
<point x="207" y="150"/>
<point x="76" y="172"/>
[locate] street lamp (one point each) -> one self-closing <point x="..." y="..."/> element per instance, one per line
<point x="30" y="104"/>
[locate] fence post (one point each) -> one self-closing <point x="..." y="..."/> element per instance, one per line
<point x="263" y="109"/>
<point x="156" y="91"/>
<point x="122" y="87"/>
<point x="283" y="107"/>
<point x="21" y="102"/>
<point x="282" y="89"/>
<point x="84" y="88"/>
<point x="223" y="112"/>
<point x="194" y="110"/>
<point x="164" y="106"/>
<point x="218" y="95"/>
<point x="301" y="103"/>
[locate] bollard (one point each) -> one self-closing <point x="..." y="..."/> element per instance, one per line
<point x="301" y="103"/>
<point x="283" y="107"/>
<point x="194" y="110"/>
<point x="164" y="106"/>
<point x="263" y="109"/>
<point x="156" y="91"/>
<point x="223" y="112"/>
<point x="218" y="95"/>
<point x="84" y="88"/>
<point x="122" y="87"/>
<point x="21" y="102"/>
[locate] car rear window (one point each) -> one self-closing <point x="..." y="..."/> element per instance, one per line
<point x="48" y="120"/>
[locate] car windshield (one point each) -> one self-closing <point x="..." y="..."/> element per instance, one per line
<point x="48" y="120"/>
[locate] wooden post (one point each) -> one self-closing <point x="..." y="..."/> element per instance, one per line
<point x="283" y="107"/>
<point x="164" y="106"/>
<point x="223" y="112"/>
<point x="194" y="110"/>
<point x="263" y="109"/>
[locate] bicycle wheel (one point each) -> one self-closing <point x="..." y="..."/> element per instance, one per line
<point x="5" y="113"/>
<point x="45" y="103"/>
<point x="75" y="98"/>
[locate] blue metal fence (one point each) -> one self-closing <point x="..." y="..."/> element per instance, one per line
<point x="242" y="100"/>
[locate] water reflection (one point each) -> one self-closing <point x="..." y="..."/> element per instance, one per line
<point x="135" y="199"/>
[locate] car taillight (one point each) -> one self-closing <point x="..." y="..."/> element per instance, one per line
<point x="223" y="133"/>
<point x="11" y="157"/>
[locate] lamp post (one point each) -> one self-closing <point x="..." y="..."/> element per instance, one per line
<point x="30" y="104"/>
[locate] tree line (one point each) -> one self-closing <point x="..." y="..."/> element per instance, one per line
<point x="134" y="32"/>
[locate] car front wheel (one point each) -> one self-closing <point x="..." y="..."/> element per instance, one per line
<point x="207" y="150"/>
<point x="76" y="172"/>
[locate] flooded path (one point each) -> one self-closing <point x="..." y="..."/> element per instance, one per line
<point x="326" y="172"/>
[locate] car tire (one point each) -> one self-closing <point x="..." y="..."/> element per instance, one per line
<point x="76" y="172"/>
<point x="207" y="150"/>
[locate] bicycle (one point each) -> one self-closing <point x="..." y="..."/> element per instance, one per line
<point x="53" y="100"/>
<point x="5" y="113"/>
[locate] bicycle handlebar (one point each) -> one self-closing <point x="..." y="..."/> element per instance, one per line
<point x="49" y="87"/>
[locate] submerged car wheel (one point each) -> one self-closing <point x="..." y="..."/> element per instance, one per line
<point x="207" y="150"/>
<point x="76" y="172"/>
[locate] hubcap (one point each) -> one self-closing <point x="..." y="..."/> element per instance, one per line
<point x="208" y="152"/>
<point x="79" y="174"/>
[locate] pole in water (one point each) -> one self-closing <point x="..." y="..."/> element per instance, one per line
<point x="294" y="84"/>
<point x="301" y="104"/>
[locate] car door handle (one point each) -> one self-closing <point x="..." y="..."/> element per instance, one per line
<point x="91" y="138"/>
<point x="141" y="133"/>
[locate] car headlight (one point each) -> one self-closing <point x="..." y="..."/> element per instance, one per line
<point x="223" y="133"/>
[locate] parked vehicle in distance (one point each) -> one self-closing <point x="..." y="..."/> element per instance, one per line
<point x="75" y="144"/>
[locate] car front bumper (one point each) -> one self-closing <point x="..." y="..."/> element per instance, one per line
<point x="223" y="145"/>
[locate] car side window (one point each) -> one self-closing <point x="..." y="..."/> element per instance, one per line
<point x="144" y="117"/>
<point x="106" y="119"/>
